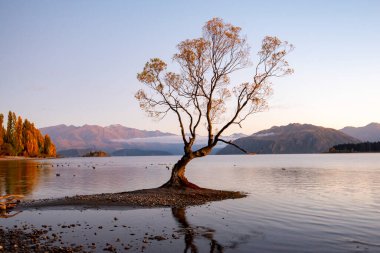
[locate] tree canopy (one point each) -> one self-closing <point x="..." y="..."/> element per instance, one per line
<point x="202" y="95"/>
<point x="22" y="138"/>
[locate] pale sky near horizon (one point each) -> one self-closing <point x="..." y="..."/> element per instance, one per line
<point x="75" y="62"/>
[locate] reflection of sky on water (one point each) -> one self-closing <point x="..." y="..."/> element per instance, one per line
<point x="137" y="229"/>
<point x="296" y="203"/>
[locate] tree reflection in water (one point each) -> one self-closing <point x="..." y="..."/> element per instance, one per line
<point x="191" y="233"/>
<point x="20" y="177"/>
<point x="8" y="214"/>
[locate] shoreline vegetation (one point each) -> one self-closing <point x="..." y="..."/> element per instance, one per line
<point x="98" y="153"/>
<point x="362" y="147"/>
<point x="145" y="198"/>
<point x="22" y="138"/>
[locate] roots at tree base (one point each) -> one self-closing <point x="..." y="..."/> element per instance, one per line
<point x="180" y="183"/>
<point x="178" y="180"/>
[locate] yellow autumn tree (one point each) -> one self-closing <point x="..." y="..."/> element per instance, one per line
<point x="197" y="96"/>
<point x="19" y="145"/>
<point x="40" y="140"/>
<point x="30" y="140"/>
<point x="49" y="148"/>
<point x="2" y="130"/>
<point x="10" y="133"/>
<point x="23" y="138"/>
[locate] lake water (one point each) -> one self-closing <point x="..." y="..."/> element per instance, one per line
<point x="296" y="203"/>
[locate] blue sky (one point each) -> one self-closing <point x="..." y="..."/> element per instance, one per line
<point x="75" y="62"/>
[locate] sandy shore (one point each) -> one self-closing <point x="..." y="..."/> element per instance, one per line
<point x="156" y="197"/>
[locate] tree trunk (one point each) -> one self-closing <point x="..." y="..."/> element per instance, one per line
<point x="178" y="179"/>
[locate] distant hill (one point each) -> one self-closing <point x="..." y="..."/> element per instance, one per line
<point x="93" y="137"/>
<point x="290" y="139"/>
<point x="370" y="132"/>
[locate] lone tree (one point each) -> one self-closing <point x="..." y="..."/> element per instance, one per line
<point x="199" y="94"/>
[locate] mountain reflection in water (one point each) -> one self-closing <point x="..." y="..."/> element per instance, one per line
<point x="296" y="203"/>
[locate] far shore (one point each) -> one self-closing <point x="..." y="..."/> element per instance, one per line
<point x="15" y="158"/>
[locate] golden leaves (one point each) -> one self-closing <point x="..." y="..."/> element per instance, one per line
<point x="200" y="91"/>
<point x="217" y="27"/>
<point x="272" y="61"/>
<point x="174" y="80"/>
<point x="191" y="51"/>
<point x="140" y="95"/>
<point x="156" y="64"/>
<point x="23" y="138"/>
<point x="151" y="70"/>
<point x="223" y="35"/>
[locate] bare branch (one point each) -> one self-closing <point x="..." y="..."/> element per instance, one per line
<point x="233" y="144"/>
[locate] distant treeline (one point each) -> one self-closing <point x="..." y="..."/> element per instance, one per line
<point x="96" y="154"/>
<point x="22" y="138"/>
<point x="358" y="147"/>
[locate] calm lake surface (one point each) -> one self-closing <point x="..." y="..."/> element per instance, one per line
<point x="296" y="203"/>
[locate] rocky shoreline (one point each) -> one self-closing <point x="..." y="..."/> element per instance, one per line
<point x="49" y="238"/>
<point x="156" y="197"/>
<point x="38" y="240"/>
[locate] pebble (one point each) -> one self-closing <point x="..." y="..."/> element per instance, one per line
<point x="17" y="240"/>
<point x="159" y="238"/>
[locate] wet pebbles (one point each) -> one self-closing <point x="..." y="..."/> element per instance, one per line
<point x="47" y="238"/>
<point x="157" y="197"/>
<point x="27" y="238"/>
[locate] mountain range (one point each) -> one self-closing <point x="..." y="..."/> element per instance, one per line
<point x="290" y="139"/>
<point x="96" y="137"/>
<point x="370" y="132"/>
<point x="120" y="140"/>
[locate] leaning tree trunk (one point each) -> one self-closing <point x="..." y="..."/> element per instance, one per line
<point x="178" y="179"/>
